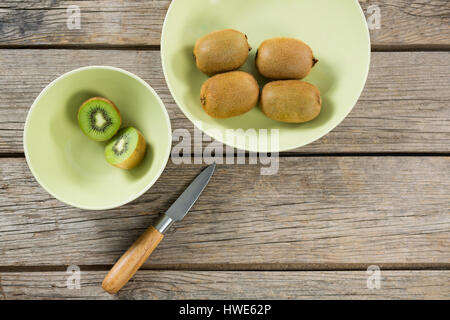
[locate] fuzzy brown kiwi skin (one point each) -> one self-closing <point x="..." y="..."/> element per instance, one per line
<point x="229" y="94"/>
<point x="105" y="100"/>
<point x="284" y="58"/>
<point x="213" y="57"/>
<point x="292" y="101"/>
<point x="136" y="157"/>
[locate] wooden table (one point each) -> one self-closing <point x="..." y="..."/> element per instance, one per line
<point x="375" y="191"/>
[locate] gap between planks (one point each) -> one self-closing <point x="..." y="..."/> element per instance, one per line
<point x="93" y="46"/>
<point x="310" y="267"/>
<point x="287" y="154"/>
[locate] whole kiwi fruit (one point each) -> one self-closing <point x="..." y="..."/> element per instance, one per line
<point x="99" y="118"/>
<point x="221" y="51"/>
<point x="284" y="58"/>
<point x="126" y="149"/>
<point x="229" y="94"/>
<point x="292" y="101"/>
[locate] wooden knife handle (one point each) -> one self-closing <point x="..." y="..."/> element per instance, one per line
<point x="132" y="260"/>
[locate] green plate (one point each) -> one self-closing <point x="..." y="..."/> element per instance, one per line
<point x="336" y="31"/>
<point x="73" y="168"/>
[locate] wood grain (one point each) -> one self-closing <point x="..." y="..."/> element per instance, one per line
<point x="404" y="107"/>
<point x="232" y="285"/>
<point x="316" y="210"/>
<point x="104" y="22"/>
<point x="139" y="23"/>
<point x="318" y="213"/>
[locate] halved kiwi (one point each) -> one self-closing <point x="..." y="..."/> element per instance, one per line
<point x="127" y="149"/>
<point x="99" y="118"/>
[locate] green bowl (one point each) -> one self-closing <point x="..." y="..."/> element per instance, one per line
<point x="73" y="168"/>
<point x="336" y="31"/>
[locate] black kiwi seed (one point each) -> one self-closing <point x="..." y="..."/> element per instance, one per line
<point x="99" y="118"/>
<point x="125" y="147"/>
<point x="105" y="115"/>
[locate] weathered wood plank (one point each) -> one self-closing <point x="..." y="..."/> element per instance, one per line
<point x="139" y="23"/>
<point x="404" y="107"/>
<point x="232" y="285"/>
<point x="316" y="210"/>
<point x="105" y="22"/>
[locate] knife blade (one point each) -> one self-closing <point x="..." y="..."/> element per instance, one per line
<point x="179" y="209"/>
<point x="184" y="203"/>
<point x="143" y="247"/>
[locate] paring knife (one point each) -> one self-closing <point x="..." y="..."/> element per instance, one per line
<point x="136" y="255"/>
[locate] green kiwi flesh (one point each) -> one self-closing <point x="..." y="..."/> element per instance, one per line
<point x="127" y="148"/>
<point x="99" y="119"/>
